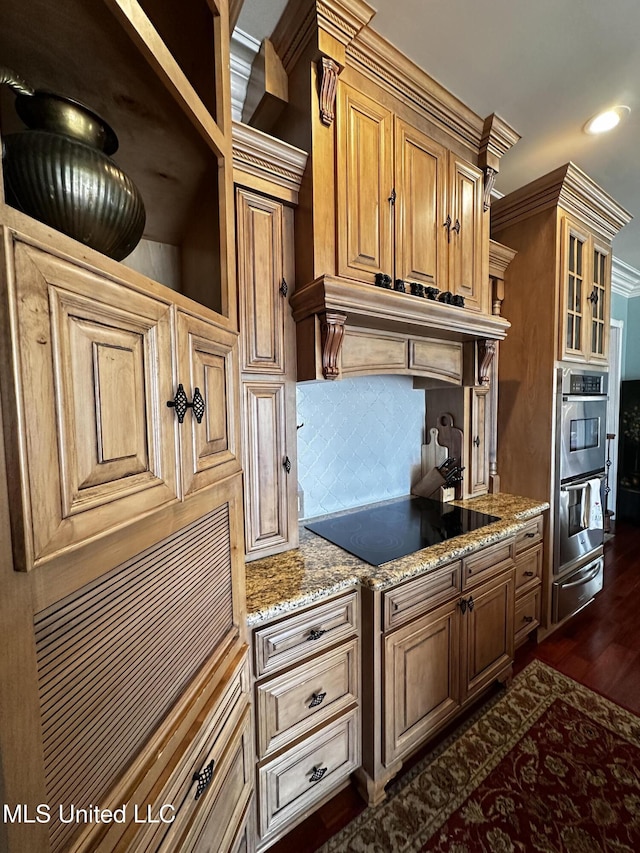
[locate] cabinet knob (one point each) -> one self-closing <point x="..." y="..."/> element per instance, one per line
<point x="203" y="778"/>
<point x="197" y="405"/>
<point x="316" y="633"/>
<point x="284" y="287"/>
<point x="286" y="464"/>
<point x="593" y="298"/>
<point x="462" y="604"/>
<point x="471" y="603"/>
<point x="447" y="224"/>
<point x="530" y="535"/>
<point x="528" y="574"/>
<point x="476" y="441"/>
<point x="456" y="227"/>
<point x="527" y="618"/>
<point x="392" y="197"/>
<point x="316" y="699"/>
<point x="318" y="773"/>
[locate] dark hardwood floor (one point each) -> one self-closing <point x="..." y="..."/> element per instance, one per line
<point x="599" y="647"/>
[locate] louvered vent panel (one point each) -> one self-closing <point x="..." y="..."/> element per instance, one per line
<point x="114" y="656"/>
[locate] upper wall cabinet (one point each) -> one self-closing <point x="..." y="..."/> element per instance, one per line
<point x="397" y="187"/>
<point x="406" y="206"/>
<point x="562" y="226"/>
<point x="155" y="72"/>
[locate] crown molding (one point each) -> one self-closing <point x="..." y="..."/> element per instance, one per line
<point x="625" y="279"/>
<point x="500" y="256"/>
<point x="571" y="189"/>
<point x="268" y="159"/>
<point x="498" y="137"/>
<point x="243" y="50"/>
<point x="303" y="19"/>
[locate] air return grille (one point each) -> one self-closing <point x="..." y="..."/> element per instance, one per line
<point x="114" y="656"/>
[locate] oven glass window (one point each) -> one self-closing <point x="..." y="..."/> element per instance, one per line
<point x="584" y="433"/>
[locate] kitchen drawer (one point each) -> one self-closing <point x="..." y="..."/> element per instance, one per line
<point x="292" y="783"/>
<point x="530" y="535"/>
<point x="418" y="596"/>
<point x="290" y="705"/>
<point x="486" y="563"/>
<point x="207" y="741"/>
<point x="292" y="639"/>
<point x="216" y="825"/>
<point x="528" y="567"/>
<point x="527" y="615"/>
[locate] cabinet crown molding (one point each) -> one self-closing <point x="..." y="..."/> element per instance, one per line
<point x="301" y="19"/>
<point x="500" y="256"/>
<point x="267" y="158"/>
<point x="571" y="189"/>
<point x="497" y="138"/>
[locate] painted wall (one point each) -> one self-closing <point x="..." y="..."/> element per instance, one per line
<point x="360" y="443"/>
<point x="632" y="342"/>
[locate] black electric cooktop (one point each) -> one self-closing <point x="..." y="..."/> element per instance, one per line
<point x="382" y="533"/>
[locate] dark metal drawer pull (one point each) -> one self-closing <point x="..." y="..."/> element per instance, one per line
<point x="462" y="604"/>
<point x="471" y="603"/>
<point x="530" y="535"/>
<point x="528" y="574"/>
<point x="286" y="463"/>
<point x="316" y="633"/>
<point x="181" y="403"/>
<point x="284" y="287"/>
<point x="527" y="618"/>
<point x="203" y="778"/>
<point x="318" y="773"/>
<point x="317" y="699"/>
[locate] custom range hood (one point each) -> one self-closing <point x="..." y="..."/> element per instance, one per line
<point x="396" y="192"/>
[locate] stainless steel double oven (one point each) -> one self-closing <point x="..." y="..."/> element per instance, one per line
<point x="581" y="452"/>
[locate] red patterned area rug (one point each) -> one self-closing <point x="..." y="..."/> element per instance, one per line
<point x="549" y="766"/>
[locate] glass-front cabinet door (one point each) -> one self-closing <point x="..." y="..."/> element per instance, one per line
<point x="574" y="286"/>
<point x="598" y="297"/>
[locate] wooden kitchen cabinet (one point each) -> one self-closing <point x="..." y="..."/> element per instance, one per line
<point x="125" y="664"/>
<point x="307" y="705"/>
<point x="406" y="206"/>
<point x="265" y="235"/>
<point x="585" y="294"/>
<point x="96" y="362"/>
<point x="437" y="641"/>
<point x="562" y="226"/>
<point x="528" y="578"/>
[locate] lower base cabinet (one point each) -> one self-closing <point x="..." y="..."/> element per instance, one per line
<point x="307" y="689"/>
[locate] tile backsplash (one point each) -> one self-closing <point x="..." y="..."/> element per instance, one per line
<point x="360" y="443"/>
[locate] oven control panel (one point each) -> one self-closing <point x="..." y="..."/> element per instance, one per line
<point x="585" y="383"/>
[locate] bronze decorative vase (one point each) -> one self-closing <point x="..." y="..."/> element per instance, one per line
<point x="60" y="172"/>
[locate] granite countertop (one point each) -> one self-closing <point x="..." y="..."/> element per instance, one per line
<point x="318" y="569"/>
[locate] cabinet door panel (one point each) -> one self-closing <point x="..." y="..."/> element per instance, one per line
<point x="95" y="370"/>
<point x="479" y="450"/>
<point x="421" y="679"/>
<point x="207" y="361"/>
<point x="574" y="287"/>
<point x="365" y="181"/>
<point x="488" y="633"/>
<point x="465" y="258"/>
<point x="421" y="237"/>
<point x="599" y="300"/>
<point x="265" y="451"/>
<point x="260" y="276"/>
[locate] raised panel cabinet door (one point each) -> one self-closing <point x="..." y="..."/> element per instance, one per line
<point x="364" y="186"/>
<point x="421" y="679"/>
<point x="466" y="234"/>
<point x="599" y="299"/>
<point x="92" y="369"/>
<point x="208" y="371"/>
<point x="268" y="470"/>
<point x="487" y="632"/>
<point x="421" y="187"/>
<point x="479" y="438"/>
<point x="262" y="288"/>
<point x="574" y="291"/>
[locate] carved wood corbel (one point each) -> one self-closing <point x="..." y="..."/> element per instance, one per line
<point x="486" y="351"/>
<point x="489" y="183"/>
<point x="328" y="71"/>
<point x="331" y="335"/>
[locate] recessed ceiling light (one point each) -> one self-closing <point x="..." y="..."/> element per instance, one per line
<point x="606" y="120"/>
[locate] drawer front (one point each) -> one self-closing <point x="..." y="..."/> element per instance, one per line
<point x="487" y="563"/>
<point x="292" y="783"/>
<point x="289" y="705"/>
<point x="530" y="535"/>
<point x="207" y="741"/>
<point x="528" y="567"/>
<point x="304" y="634"/>
<point x="527" y="614"/>
<point x="215" y="826"/>
<point x="412" y="599"/>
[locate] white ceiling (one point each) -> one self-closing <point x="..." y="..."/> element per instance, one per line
<point x="545" y="66"/>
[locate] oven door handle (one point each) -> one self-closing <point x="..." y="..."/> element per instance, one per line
<point x="590" y="577"/>
<point x="580" y="486"/>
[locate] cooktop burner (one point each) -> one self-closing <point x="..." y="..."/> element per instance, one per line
<point x="382" y="533"/>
